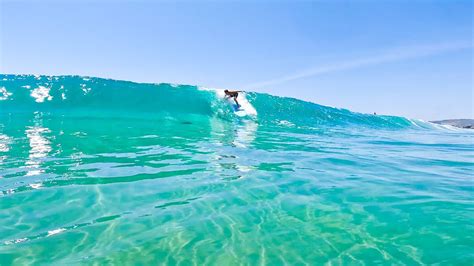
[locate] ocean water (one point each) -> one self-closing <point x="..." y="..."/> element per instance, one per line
<point x="97" y="171"/>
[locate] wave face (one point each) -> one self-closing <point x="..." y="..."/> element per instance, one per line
<point x="75" y="93"/>
<point x="97" y="171"/>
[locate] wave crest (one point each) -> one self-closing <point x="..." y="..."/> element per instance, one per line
<point x="74" y="93"/>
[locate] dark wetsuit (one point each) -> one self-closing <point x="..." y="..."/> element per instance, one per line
<point x="234" y="95"/>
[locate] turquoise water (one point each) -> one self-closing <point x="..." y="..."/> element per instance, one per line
<point x="105" y="171"/>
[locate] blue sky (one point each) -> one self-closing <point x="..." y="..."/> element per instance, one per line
<point x="409" y="58"/>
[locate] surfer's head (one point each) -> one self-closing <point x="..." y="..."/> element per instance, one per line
<point x="226" y="91"/>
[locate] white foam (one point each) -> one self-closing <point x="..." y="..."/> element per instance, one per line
<point x="56" y="231"/>
<point x="36" y="186"/>
<point x="201" y="88"/>
<point x="245" y="105"/>
<point x="85" y="89"/>
<point x="4" y="94"/>
<point x="419" y="122"/>
<point x="286" y="123"/>
<point x="4" y="141"/>
<point x="16" y="241"/>
<point x="41" y="93"/>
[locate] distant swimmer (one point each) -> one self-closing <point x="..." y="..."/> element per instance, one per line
<point x="232" y="94"/>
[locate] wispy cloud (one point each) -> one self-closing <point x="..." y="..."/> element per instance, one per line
<point x="397" y="54"/>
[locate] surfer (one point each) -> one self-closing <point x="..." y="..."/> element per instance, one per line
<point x="232" y="94"/>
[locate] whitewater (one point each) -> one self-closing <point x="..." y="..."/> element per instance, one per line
<point x="101" y="171"/>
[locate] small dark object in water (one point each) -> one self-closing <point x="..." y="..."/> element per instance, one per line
<point x="186" y="123"/>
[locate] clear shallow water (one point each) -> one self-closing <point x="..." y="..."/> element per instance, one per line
<point x="104" y="171"/>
